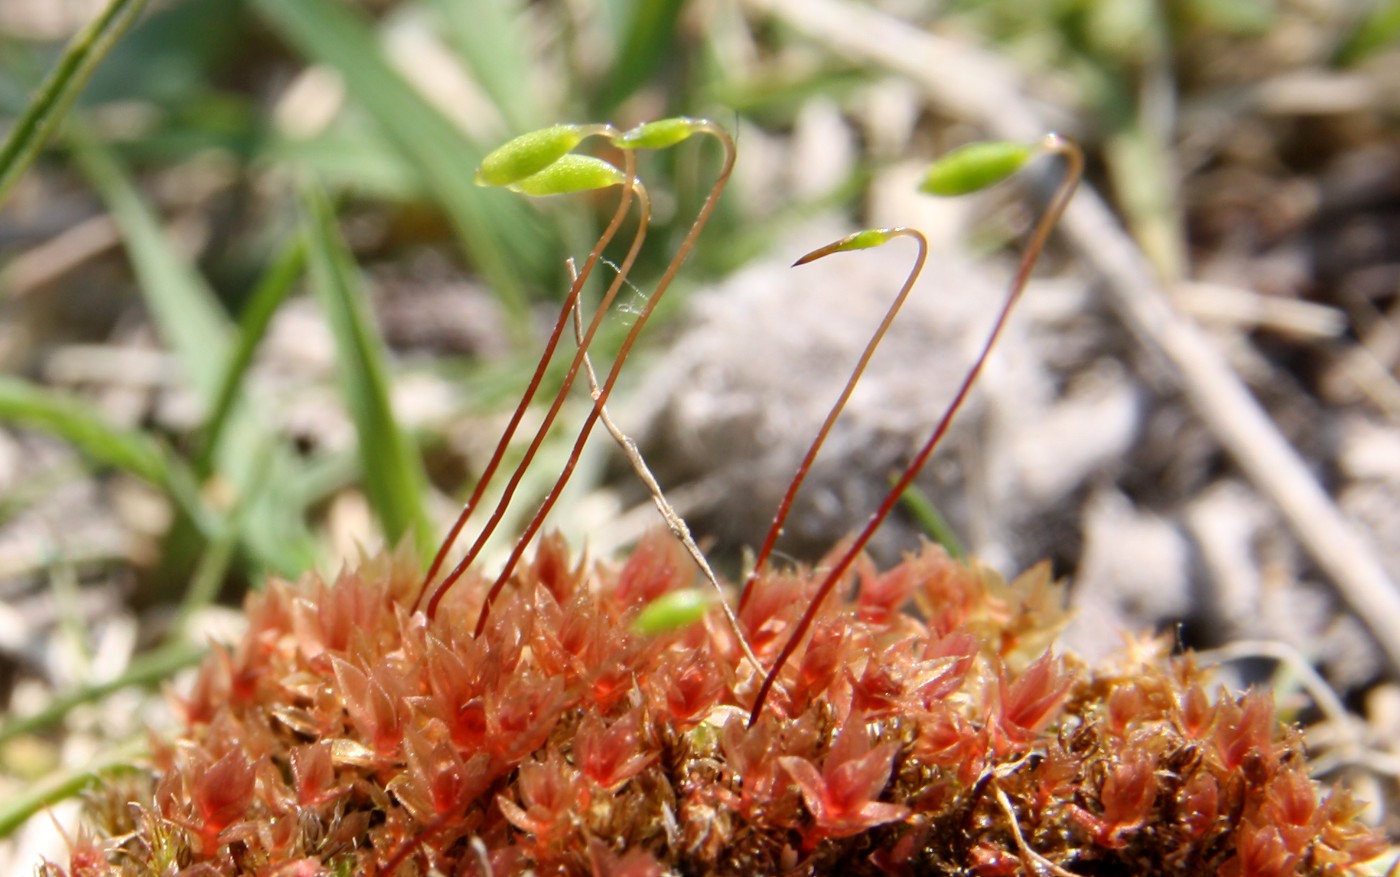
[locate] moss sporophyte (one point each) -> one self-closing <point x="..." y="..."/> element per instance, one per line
<point x="562" y="717"/>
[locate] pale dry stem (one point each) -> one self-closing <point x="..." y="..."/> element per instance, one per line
<point x="674" y="521"/>
<point x="1033" y="861"/>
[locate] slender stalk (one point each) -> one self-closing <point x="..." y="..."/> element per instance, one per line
<point x="784" y="507"/>
<point x="699" y="126"/>
<point x="571" y="299"/>
<point x="644" y="202"/>
<point x="1074" y="159"/>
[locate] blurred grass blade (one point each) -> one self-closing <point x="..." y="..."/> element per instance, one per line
<point x="67" y="783"/>
<point x="187" y="315"/>
<point x="24" y="404"/>
<point x="931" y="521"/>
<point x="154" y="667"/>
<point x="49" y="104"/>
<point x="213" y="566"/>
<point x="391" y="470"/>
<point x="496" y="229"/>
<point x="1377" y="30"/>
<point x="271" y="291"/>
<point x="491" y="37"/>
<point x="194" y="325"/>
<point x="650" y="37"/>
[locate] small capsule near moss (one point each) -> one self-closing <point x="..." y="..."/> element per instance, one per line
<point x="672" y="611"/>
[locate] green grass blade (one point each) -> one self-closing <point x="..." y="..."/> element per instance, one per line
<point x="391" y="469"/>
<point x="490" y="36"/>
<point x="271" y="291"/>
<point x="25" y="404"/>
<point x="1377" y="30"/>
<point x="932" y="522"/>
<point x="66" y="783"/>
<point x="650" y="37"/>
<point x="496" y="229"/>
<point x="195" y="326"/>
<point x="187" y="314"/>
<point x="49" y="104"/>
<point x="150" y="668"/>
<point x="213" y="566"/>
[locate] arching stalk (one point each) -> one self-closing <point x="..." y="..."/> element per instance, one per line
<point x="677" y="525"/>
<point x="655" y="135"/>
<point x="1074" y="159"/>
<point x="569" y="301"/>
<point x="632" y="187"/>
<point x="858" y="241"/>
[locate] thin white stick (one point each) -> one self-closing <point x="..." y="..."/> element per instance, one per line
<point x="675" y="522"/>
<point x="1029" y="857"/>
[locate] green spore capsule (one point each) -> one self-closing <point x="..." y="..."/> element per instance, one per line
<point x="659" y="134"/>
<point x="570" y="173"/>
<point x="672" y="611"/>
<point x="529" y="154"/>
<point x="975" y="166"/>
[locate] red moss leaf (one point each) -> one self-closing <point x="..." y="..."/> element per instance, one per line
<point x="686" y="685"/>
<point x="657" y="565"/>
<point x="603" y="862"/>
<point x="1199" y="804"/>
<point x="1195" y="713"/>
<point x="374" y="705"/>
<point x="1125" y="703"/>
<point x="749" y="754"/>
<point x="948" y="659"/>
<point x="1128" y="793"/>
<point x="881" y="595"/>
<point x="313" y="774"/>
<point x="222" y="794"/>
<point x="1245" y="728"/>
<point x="1260" y="852"/>
<point x="843" y="797"/>
<point x="612" y="755"/>
<point x="552" y="794"/>
<point x="1027" y="705"/>
<point x="521" y="716"/>
<point x="437" y="781"/>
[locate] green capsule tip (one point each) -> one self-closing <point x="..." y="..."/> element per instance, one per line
<point x="660" y="134"/>
<point x="672" y="611"/>
<point x="861" y="240"/>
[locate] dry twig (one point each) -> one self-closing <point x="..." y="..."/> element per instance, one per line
<point x="674" y="522"/>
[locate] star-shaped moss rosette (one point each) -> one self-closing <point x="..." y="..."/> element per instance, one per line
<point x="566" y="717"/>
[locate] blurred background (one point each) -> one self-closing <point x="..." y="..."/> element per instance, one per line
<point x="256" y="319"/>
